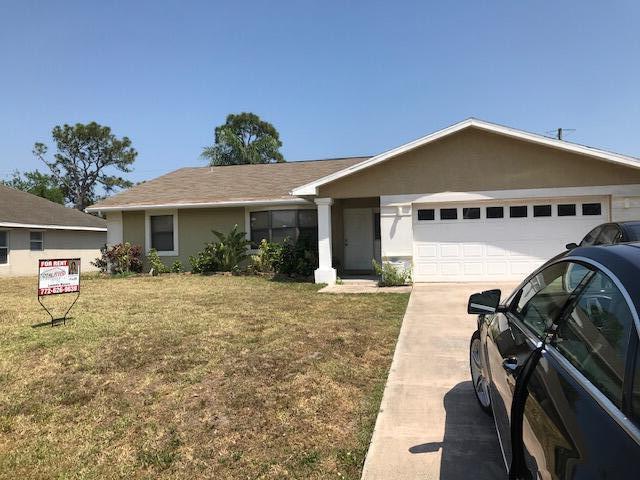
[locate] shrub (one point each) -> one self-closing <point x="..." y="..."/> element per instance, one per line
<point x="176" y="267"/>
<point x="268" y="258"/>
<point x="225" y="255"/>
<point x="121" y="258"/>
<point x="157" y="266"/>
<point x="287" y="258"/>
<point x="391" y="275"/>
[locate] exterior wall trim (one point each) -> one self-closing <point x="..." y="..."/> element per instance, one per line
<point x="312" y="187"/>
<point x="50" y="227"/>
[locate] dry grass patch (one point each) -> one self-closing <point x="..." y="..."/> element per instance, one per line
<point x="192" y="377"/>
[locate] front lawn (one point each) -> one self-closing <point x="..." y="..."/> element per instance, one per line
<point x="192" y="377"/>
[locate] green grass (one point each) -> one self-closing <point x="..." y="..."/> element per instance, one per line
<point x="192" y="377"/>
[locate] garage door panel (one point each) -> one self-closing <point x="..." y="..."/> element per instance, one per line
<point x="503" y="248"/>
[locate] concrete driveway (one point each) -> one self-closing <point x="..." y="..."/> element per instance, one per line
<point x="429" y="425"/>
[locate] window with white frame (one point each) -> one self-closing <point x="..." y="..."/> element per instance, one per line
<point x="279" y="225"/>
<point x="161" y="231"/>
<point x="36" y="241"/>
<point x="4" y="247"/>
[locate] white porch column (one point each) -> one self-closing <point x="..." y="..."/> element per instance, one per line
<point x="325" y="273"/>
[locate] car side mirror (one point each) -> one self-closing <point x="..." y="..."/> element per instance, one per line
<point x="571" y="246"/>
<point x="484" y="302"/>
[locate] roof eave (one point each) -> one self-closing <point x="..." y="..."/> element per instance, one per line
<point x="230" y="203"/>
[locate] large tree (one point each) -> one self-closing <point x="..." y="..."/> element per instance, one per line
<point x="86" y="156"/>
<point x="244" y="138"/>
<point x="37" y="183"/>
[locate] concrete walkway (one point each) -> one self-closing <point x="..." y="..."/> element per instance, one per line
<point x="429" y="426"/>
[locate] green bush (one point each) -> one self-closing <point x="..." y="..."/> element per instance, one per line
<point x="176" y="267"/>
<point x="287" y="258"/>
<point x="122" y="258"/>
<point x="391" y="275"/>
<point x="225" y="255"/>
<point x="157" y="267"/>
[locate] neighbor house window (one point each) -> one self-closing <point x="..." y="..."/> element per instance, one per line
<point x="567" y="210"/>
<point x="471" y="213"/>
<point x="161" y="227"/>
<point x="542" y="210"/>
<point x="495" y="212"/>
<point x="278" y="225"/>
<point x="591" y="209"/>
<point x="448" y="213"/>
<point x="36" y="241"/>
<point x="426" y="214"/>
<point x="4" y="246"/>
<point x="518" y="211"/>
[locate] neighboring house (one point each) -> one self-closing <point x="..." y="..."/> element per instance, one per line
<point x="472" y="202"/>
<point x="32" y="228"/>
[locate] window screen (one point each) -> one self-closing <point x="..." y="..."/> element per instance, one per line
<point x="448" y="213"/>
<point x="495" y="212"/>
<point x="426" y="214"/>
<point x="518" y="211"/>
<point x="471" y="213"/>
<point x="566" y="209"/>
<point x="591" y="209"/>
<point x="162" y="233"/>
<point x="36" y="243"/>
<point x="542" y="210"/>
<point x="281" y="225"/>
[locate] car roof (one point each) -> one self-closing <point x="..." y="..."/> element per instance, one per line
<point x="623" y="260"/>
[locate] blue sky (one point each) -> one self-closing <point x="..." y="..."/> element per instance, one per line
<point x="336" y="78"/>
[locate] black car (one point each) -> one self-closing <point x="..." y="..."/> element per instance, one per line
<point x="609" y="233"/>
<point x="557" y="363"/>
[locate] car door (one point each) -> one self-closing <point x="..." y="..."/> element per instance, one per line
<point x="576" y="421"/>
<point x="514" y="335"/>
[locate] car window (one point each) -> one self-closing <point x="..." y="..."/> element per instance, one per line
<point x="590" y="238"/>
<point x="594" y="337"/>
<point x="609" y="234"/>
<point x="541" y="299"/>
<point x="633" y="232"/>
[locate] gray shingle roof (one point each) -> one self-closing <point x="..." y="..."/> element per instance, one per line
<point x="235" y="183"/>
<point x="24" y="208"/>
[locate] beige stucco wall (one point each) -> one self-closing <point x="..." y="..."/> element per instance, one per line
<point x="475" y="160"/>
<point x="194" y="229"/>
<point x="57" y="244"/>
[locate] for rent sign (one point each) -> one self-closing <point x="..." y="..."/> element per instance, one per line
<point x="58" y="276"/>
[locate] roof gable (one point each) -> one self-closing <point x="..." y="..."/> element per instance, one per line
<point x="311" y="188"/>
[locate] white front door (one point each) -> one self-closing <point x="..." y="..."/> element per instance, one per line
<point x="358" y="238"/>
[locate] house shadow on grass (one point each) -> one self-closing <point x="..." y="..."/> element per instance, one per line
<point x="470" y="446"/>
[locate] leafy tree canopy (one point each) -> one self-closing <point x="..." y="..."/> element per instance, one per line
<point x="85" y="155"/>
<point x="243" y="139"/>
<point x="37" y="183"/>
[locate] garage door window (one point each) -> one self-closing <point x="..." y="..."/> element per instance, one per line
<point x="471" y="213"/>
<point x="519" y="211"/>
<point x="591" y="209"/>
<point x="566" y="210"/>
<point x="542" y="210"/>
<point x="495" y="212"/>
<point x="426" y="214"/>
<point x="448" y="214"/>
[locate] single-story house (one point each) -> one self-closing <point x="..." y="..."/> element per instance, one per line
<point x="475" y="201"/>
<point x="33" y="228"/>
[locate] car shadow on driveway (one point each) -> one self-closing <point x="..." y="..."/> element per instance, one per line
<point x="470" y="447"/>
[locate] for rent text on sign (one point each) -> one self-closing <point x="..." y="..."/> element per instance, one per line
<point x="58" y="276"/>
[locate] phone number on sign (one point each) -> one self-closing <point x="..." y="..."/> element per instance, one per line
<point x="55" y="290"/>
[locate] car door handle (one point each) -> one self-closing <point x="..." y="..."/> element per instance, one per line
<point x="510" y="365"/>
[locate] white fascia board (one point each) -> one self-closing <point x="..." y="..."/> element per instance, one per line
<point x="312" y="187"/>
<point x="51" y="227"/>
<point x="165" y="206"/>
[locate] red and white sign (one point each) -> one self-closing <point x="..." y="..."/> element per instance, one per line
<point x="58" y="276"/>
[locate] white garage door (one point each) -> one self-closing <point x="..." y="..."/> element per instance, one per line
<point x="497" y="241"/>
